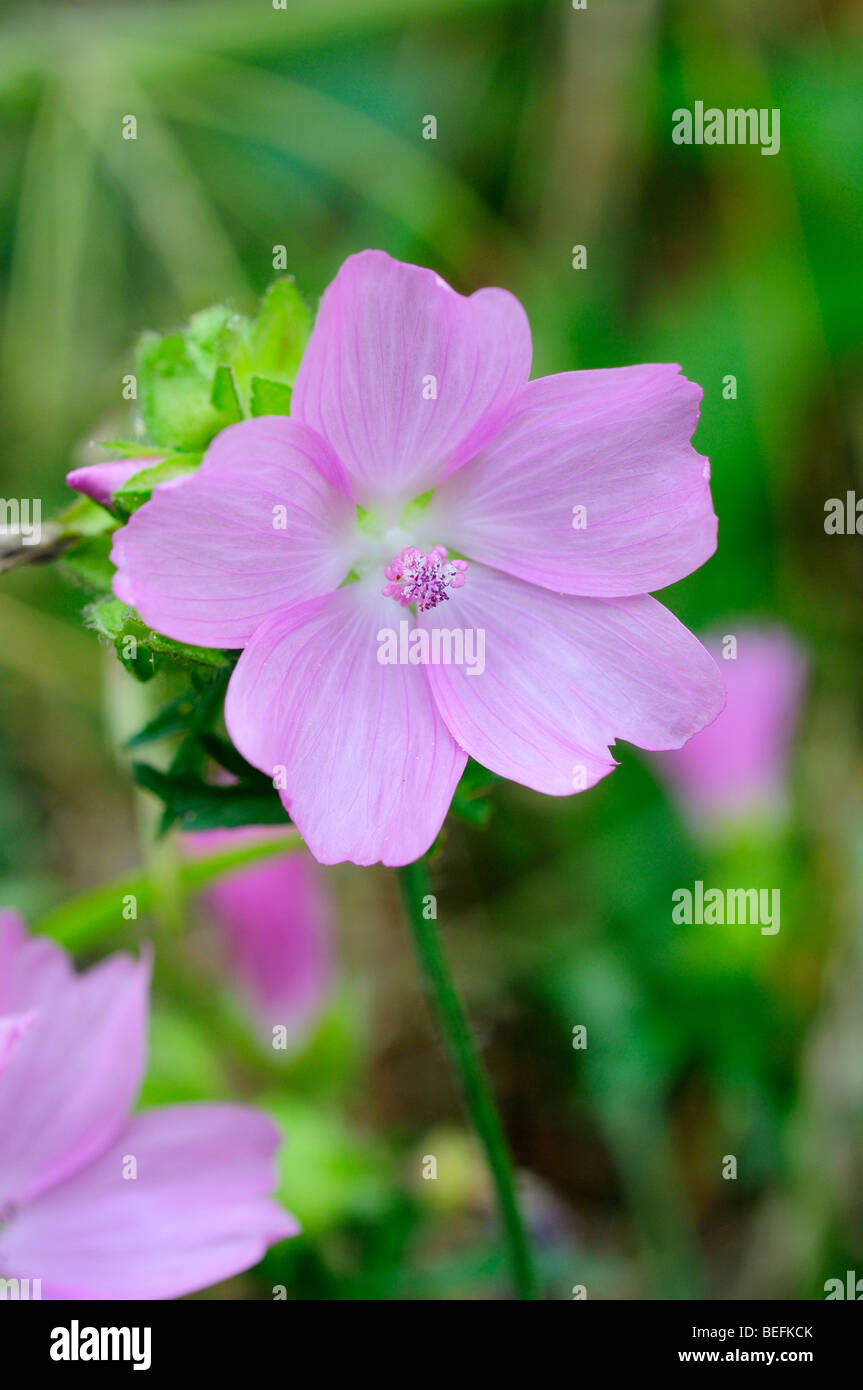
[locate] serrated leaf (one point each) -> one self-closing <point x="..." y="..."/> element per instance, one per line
<point x="88" y="563"/>
<point x="175" y="718"/>
<point x="269" y="397"/>
<point x="225" y="754"/>
<point x="199" y="806"/>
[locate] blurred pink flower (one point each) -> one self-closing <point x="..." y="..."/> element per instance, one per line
<point x="101" y="480"/>
<point x="738" y="767"/>
<point x="275" y="916"/>
<point x="72" y="1052"/>
<point x="569" y="497"/>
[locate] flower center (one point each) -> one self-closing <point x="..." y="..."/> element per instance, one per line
<point x="423" y="579"/>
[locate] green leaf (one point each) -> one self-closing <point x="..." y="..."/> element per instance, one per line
<point x="175" y="718"/>
<point x="225" y="754"/>
<point x="88" y="563"/>
<point x="200" y="806"/>
<point x="141" y="651"/>
<point x="270" y="397"/>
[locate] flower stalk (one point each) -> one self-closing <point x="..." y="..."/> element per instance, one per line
<point x="472" y="1078"/>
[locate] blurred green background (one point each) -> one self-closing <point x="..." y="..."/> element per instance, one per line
<point x="302" y="127"/>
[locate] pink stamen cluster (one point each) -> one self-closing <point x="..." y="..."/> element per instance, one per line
<point x="423" y="579"/>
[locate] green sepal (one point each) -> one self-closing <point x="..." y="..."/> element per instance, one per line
<point x="139" y="488"/>
<point x="130" y="449"/>
<point x="269" y="397"/>
<point x="280" y="332"/>
<point x="268" y="350"/>
<point x="224" y="395"/>
<point x="84" y="517"/>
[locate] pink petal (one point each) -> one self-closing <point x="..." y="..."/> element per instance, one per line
<point x="32" y="968"/>
<point x="614" y="442"/>
<point x="198" y="1211"/>
<point x="739" y="766"/>
<point x="564" y="677"/>
<point x="68" y="1087"/>
<point x="275" y="917"/>
<point x="370" y="767"/>
<point x="13" y="1028"/>
<point x="101" y="480"/>
<point x="207" y="562"/>
<point x="383" y="330"/>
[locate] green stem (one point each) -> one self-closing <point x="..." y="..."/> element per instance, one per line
<point x="475" y="1088"/>
<point x="94" y="915"/>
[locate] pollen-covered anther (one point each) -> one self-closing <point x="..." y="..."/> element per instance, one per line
<point x="423" y="579"/>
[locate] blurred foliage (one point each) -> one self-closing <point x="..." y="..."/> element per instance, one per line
<point x="301" y="128"/>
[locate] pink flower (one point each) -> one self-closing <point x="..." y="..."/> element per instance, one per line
<point x="738" y="768"/>
<point x="101" y="480"/>
<point x="275" y="917"/>
<point x="73" y="1212"/>
<point x="406" y="387"/>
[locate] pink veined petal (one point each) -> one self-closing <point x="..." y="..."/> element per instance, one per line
<point x="614" y="443"/>
<point x="32" y="968"/>
<point x="406" y="378"/>
<point x="370" y="767"/>
<point x="101" y="480"/>
<point x="275" y="918"/>
<point x="564" y="677"/>
<point x="68" y="1087"/>
<point x="13" y="1028"/>
<point x="199" y="1209"/>
<point x="266" y="522"/>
